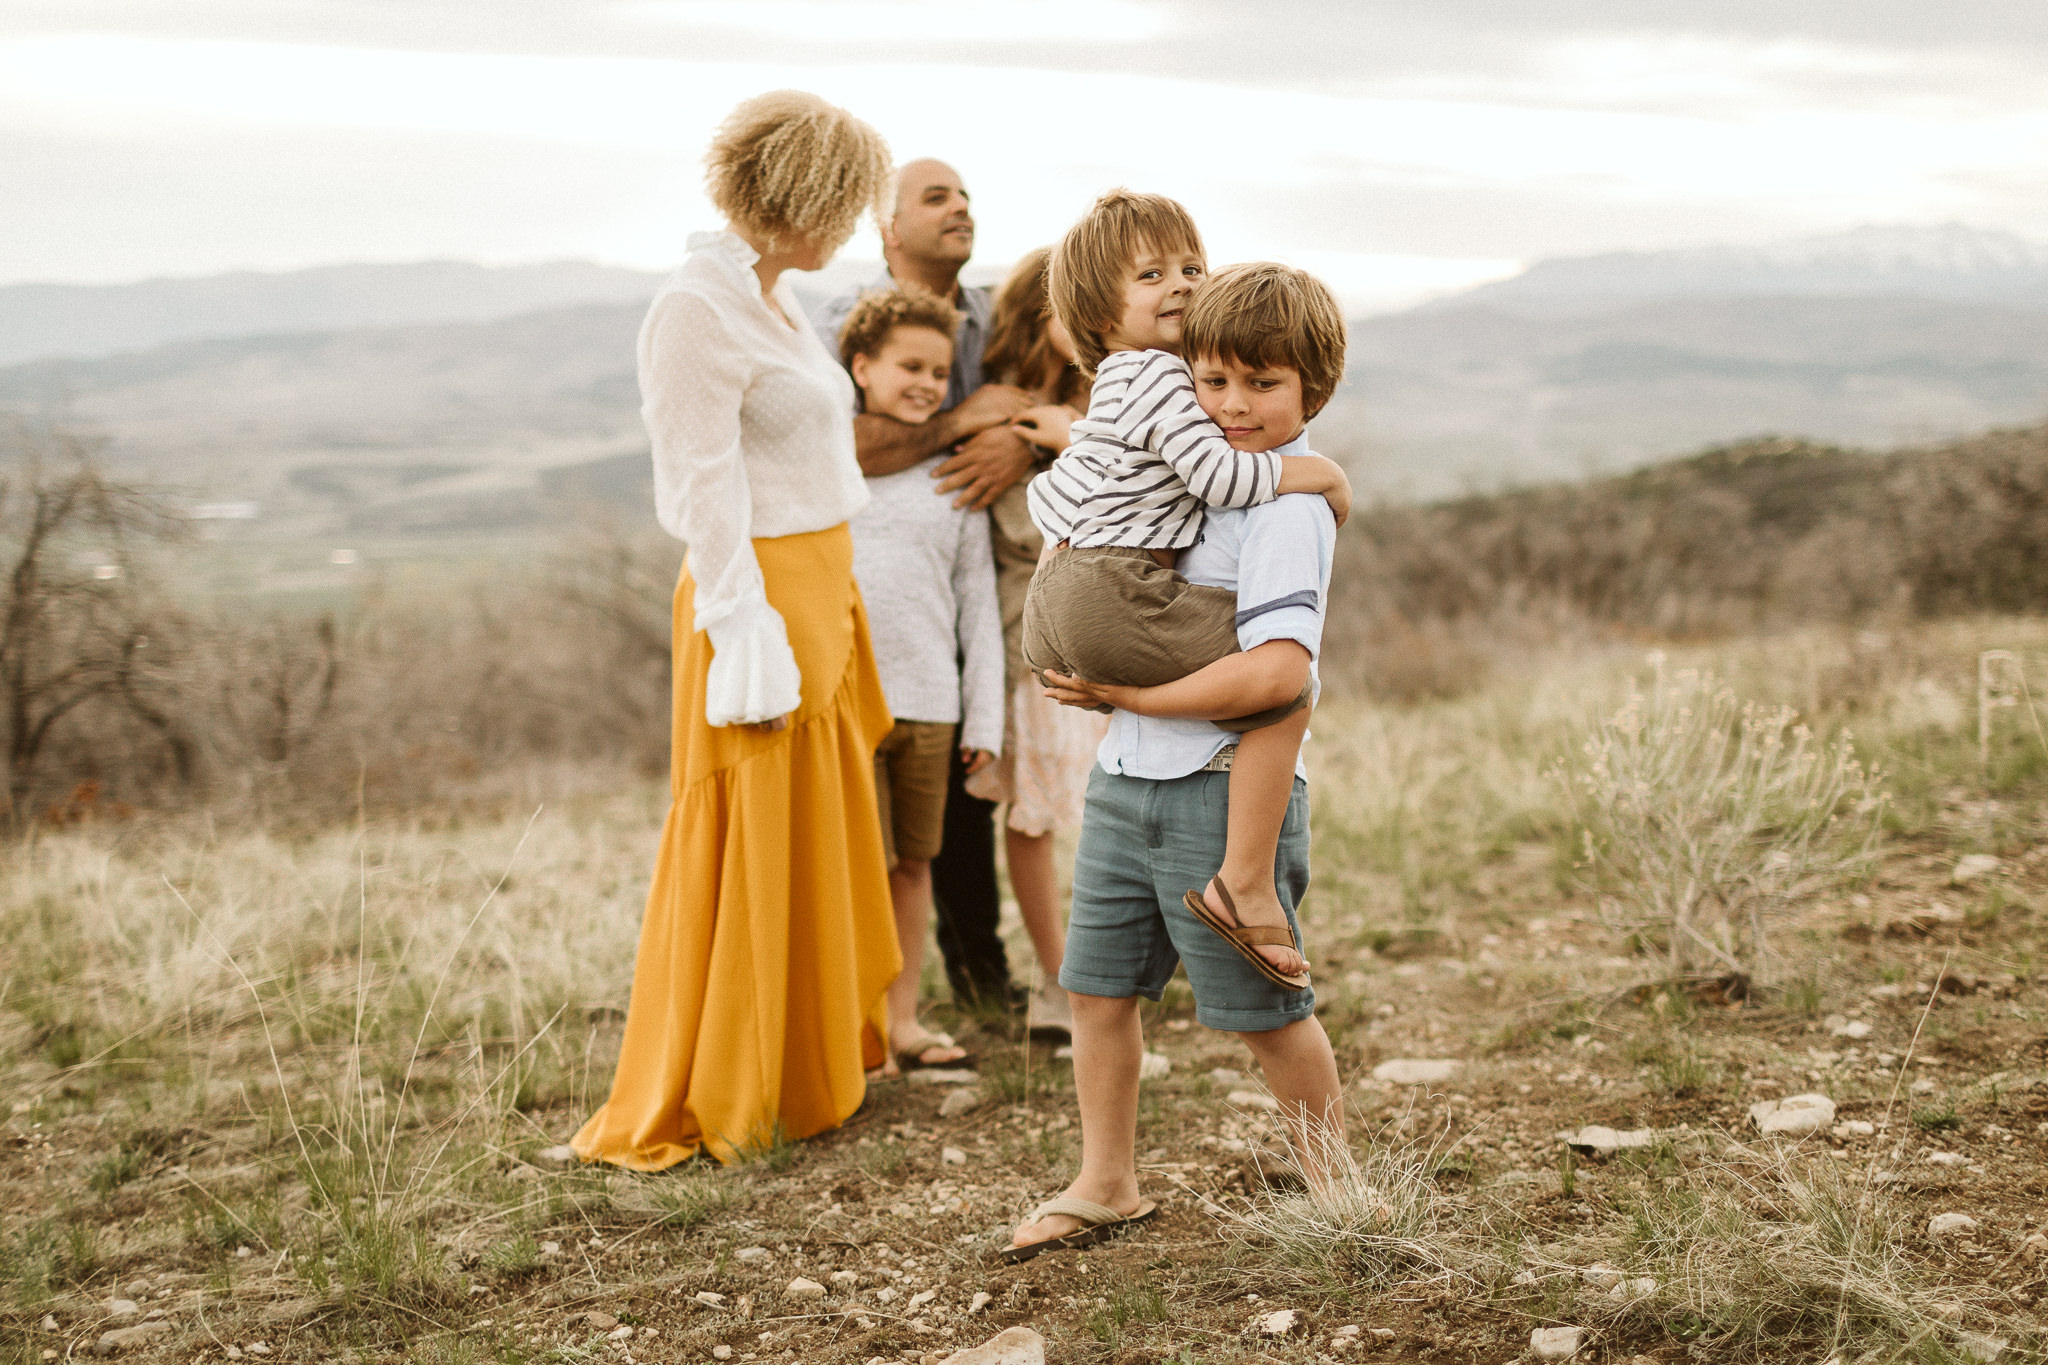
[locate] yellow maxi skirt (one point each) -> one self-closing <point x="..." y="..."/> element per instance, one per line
<point x="769" y="940"/>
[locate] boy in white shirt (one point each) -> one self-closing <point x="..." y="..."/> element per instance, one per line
<point x="927" y="577"/>
<point x="1265" y="343"/>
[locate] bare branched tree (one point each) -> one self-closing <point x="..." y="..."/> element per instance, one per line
<point x="73" y="626"/>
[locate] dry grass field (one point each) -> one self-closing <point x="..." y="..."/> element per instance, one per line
<point x="280" y="1090"/>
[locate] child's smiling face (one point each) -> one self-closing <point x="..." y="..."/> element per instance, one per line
<point x="1156" y="288"/>
<point x="1257" y="409"/>
<point x="905" y="377"/>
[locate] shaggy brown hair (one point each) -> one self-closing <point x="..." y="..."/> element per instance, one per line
<point x="1264" y="315"/>
<point x="882" y="312"/>
<point x="1020" y="349"/>
<point x="1086" y="275"/>
<point x="796" y="169"/>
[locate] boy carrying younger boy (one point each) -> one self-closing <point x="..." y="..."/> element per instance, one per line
<point x="1266" y="346"/>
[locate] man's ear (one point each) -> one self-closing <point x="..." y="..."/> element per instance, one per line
<point x="890" y="241"/>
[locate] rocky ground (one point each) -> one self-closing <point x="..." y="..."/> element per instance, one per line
<point x="1556" y="1148"/>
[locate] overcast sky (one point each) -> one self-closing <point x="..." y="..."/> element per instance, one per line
<point x="1399" y="147"/>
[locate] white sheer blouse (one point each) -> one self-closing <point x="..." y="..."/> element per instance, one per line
<point x="750" y="420"/>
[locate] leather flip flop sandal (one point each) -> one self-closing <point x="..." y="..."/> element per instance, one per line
<point x="1247" y="938"/>
<point x="1098" y="1222"/>
<point x="912" y="1058"/>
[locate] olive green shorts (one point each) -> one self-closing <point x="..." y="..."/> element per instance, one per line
<point x="1113" y="614"/>
<point x="911" y="767"/>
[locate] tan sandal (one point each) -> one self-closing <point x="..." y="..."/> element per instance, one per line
<point x="1248" y="938"/>
<point x="1099" y="1223"/>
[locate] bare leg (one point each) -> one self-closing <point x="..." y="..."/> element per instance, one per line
<point x="1108" y="1047"/>
<point x="1261" y="781"/>
<point x="1301" y="1071"/>
<point x="1037" y="889"/>
<point x="910" y="887"/>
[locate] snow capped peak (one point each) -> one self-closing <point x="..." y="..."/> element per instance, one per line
<point x="1941" y="260"/>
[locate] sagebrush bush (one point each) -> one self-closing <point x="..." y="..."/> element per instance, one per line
<point x="1703" y="818"/>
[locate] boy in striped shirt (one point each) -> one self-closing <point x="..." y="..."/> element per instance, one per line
<point x="1128" y="493"/>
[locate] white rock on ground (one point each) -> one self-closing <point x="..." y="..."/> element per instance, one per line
<point x="1985" y="1349"/>
<point x="1945" y="1158"/>
<point x="596" y="1321"/>
<point x="1252" y="1099"/>
<point x="801" y="1288"/>
<point x="1794" y="1116"/>
<point x="623" y="1332"/>
<point x="1841" y="1026"/>
<point x="1013" y="1346"/>
<point x="940" y="1076"/>
<point x="978" y="1302"/>
<point x="960" y="1102"/>
<point x="1853" y="1128"/>
<point x="1950" y="1225"/>
<point x="1596" y="1140"/>
<point x="1279" y="1322"/>
<point x="721" y="1352"/>
<point x="952" y="1156"/>
<point x="1415" y="1070"/>
<point x="750" y="1255"/>
<point x="712" y="1299"/>
<point x="120" y="1308"/>
<point x="1971" y="866"/>
<point x="1223" y="1075"/>
<point x="1556" y="1343"/>
<point x="561" y="1155"/>
<point x="1601" y="1275"/>
<point x="128" y="1338"/>
<point x="845" y="1279"/>
<point x="1154" y="1066"/>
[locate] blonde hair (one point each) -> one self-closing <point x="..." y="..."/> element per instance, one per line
<point x="796" y="169"/>
<point x="1085" y="277"/>
<point x="879" y="313"/>
<point x="1020" y="349"/>
<point x="1264" y="315"/>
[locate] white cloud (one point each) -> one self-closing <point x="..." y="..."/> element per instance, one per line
<point x="913" y="22"/>
<point x="1349" y="180"/>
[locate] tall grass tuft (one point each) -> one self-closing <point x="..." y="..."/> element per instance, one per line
<point x="1374" y="1215"/>
<point x="1702" y="818"/>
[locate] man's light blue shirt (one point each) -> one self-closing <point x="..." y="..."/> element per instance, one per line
<point x="1276" y="557"/>
<point x="976" y="305"/>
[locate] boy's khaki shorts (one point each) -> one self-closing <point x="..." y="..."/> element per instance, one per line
<point x="911" y="766"/>
<point x="1113" y="614"/>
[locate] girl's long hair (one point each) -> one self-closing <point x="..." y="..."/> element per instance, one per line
<point x="1020" y="349"/>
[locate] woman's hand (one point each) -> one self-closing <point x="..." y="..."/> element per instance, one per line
<point x="1049" y="425"/>
<point x="1070" y="691"/>
<point x="769" y="727"/>
<point x="975" y="759"/>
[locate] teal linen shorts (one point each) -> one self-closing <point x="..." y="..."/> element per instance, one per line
<point x="1143" y="845"/>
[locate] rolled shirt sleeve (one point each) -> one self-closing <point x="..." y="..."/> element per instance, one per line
<point x="1283" y="572"/>
<point x="693" y="380"/>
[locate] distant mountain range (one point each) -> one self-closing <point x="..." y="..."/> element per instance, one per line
<point x="1949" y="261"/>
<point x="38" y="321"/>
<point x="448" y="397"/>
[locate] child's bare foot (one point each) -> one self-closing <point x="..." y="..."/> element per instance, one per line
<point x="1255" y="903"/>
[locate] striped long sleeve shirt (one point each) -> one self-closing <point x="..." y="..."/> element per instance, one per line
<point x="1145" y="461"/>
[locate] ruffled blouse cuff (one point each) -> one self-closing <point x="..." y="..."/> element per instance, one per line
<point x="753" y="675"/>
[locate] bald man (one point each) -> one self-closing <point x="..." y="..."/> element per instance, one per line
<point x="925" y="241"/>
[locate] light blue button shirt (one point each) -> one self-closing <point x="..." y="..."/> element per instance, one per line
<point x="1276" y="557"/>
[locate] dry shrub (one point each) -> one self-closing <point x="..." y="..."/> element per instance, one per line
<point x="112" y="685"/>
<point x="1757" y="535"/>
<point x="1704" y="819"/>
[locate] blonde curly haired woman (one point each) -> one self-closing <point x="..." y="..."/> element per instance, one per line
<point x="768" y="941"/>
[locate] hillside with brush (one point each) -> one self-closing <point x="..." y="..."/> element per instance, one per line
<point x="1756" y="535"/>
